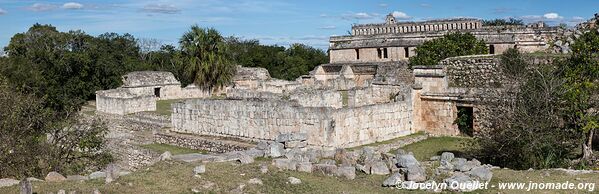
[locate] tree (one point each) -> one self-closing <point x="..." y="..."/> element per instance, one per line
<point x="450" y="45"/>
<point x="282" y="63"/>
<point x="581" y="72"/>
<point x="503" y="22"/>
<point x="205" y="53"/>
<point x="64" y="69"/>
<point x="526" y="126"/>
<point x="36" y="141"/>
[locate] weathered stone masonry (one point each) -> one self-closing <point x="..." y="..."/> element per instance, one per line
<point x="265" y="119"/>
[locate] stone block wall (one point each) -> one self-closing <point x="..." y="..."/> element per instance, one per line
<point x="265" y="119"/>
<point x="124" y="104"/>
<point x="318" y="98"/>
<point x="376" y="94"/>
<point x="210" y="144"/>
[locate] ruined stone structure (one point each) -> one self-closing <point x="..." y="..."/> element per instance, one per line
<point x="393" y="41"/>
<point x="367" y="93"/>
<point x="141" y="90"/>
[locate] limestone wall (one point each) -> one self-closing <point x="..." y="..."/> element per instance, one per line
<point x="318" y="98"/>
<point x="265" y="119"/>
<point x="121" y="103"/>
<point x="376" y="94"/>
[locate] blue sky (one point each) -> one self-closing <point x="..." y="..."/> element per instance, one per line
<point x="270" y="21"/>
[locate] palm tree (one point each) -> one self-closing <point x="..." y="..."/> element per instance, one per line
<point x="208" y="64"/>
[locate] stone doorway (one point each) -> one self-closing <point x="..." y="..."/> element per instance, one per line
<point x="157" y="92"/>
<point x="465" y="120"/>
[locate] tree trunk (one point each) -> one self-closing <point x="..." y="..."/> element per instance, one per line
<point x="587" y="147"/>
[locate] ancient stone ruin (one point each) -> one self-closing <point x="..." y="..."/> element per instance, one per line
<point x="366" y="94"/>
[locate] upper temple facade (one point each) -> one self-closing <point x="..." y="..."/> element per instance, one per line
<point x="394" y="41"/>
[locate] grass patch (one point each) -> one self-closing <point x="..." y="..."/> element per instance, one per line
<point x="161" y="148"/>
<point x="388" y="141"/>
<point x="433" y="146"/>
<point x="177" y="177"/>
<point x="163" y="107"/>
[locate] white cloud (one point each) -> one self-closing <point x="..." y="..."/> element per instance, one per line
<point x="161" y="8"/>
<point x="552" y="16"/>
<point x="362" y="15"/>
<point x="425" y="5"/>
<point x="324" y="15"/>
<point x="2" y="12"/>
<point x="42" y="7"/>
<point x="72" y="5"/>
<point x="328" y="27"/>
<point x="401" y="15"/>
<point x="383" y="5"/>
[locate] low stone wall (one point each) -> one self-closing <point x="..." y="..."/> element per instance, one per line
<point x="318" y="98"/>
<point x="376" y="94"/>
<point x="210" y="144"/>
<point x="117" y="102"/>
<point x="265" y="119"/>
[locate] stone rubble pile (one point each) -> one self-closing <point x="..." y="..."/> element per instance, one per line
<point x="459" y="171"/>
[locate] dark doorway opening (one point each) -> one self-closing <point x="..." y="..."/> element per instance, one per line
<point x="406" y="52"/>
<point x="385" y="55"/>
<point x="157" y="92"/>
<point x="491" y="49"/>
<point x="357" y="54"/>
<point x="465" y="120"/>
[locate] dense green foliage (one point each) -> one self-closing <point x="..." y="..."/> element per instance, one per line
<point x="581" y="74"/>
<point x="36" y="141"/>
<point x="282" y="63"/>
<point x="548" y="114"/>
<point x="503" y="22"/>
<point x="527" y="131"/>
<point x="450" y="45"/>
<point x="204" y="52"/>
<point x="66" y="68"/>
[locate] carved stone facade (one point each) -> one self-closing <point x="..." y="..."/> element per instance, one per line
<point x="394" y="41"/>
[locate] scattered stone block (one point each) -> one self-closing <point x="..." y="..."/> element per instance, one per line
<point x="348" y="172"/>
<point x="447" y="156"/>
<point x="166" y="156"/>
<point x="262" y="145"/>
<point x="362" y="168"/>
<point x="245" y="159"/>
<point x="294" y="181"/>
<point x="326" y="169"/>
<point x="481" y="173"/>
<point x="461" y="179"/>
<point x="415" y="173"/>
<point x="304" y="167"/>
<point x="54" y="177"/>
<point x="201" y="169"/>
<point x="6" y="182"/>
<point x="276" y="150"/>
<point x="97" y="175"/>
<point x="285" y="164"/>
<point x="394" y="180"/>
<point x="379" y="168"/>
<point x="405" y="160"/>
